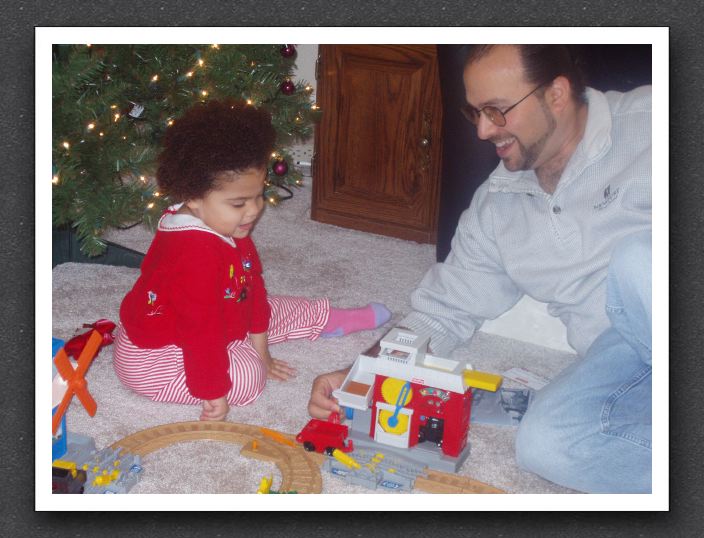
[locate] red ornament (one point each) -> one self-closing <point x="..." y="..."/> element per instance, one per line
<point x="288" y="87"/>
<point x="287" y="51"/>
<point x="280" y="168"/>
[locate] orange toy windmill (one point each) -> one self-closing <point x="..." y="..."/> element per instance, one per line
<point x="75" y="379"/>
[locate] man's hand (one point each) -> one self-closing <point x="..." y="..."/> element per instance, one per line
<point x="321" y="402"/>
<point x="216" y="409"/>
<point x="277" y="369"/>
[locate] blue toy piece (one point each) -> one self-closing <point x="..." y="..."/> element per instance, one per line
<point x="400" y="402"/>
<point x="58" y="441"/>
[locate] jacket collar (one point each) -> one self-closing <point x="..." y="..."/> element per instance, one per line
<point x="171" y="221"/>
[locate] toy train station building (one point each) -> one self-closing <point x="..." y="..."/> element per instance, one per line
<point x="407" y="399"/>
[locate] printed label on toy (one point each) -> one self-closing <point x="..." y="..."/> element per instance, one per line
<point x="529" y="379"/>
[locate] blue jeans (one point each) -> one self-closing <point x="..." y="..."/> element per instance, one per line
<point x="590" y="429"/>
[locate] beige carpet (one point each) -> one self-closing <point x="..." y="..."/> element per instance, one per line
<point x="300" y="257"/>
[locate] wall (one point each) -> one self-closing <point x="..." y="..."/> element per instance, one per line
<point x="305" y="70"/>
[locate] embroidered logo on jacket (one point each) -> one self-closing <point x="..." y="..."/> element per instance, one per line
<point x="239" y="288"/>
<point x="151" y="300"/>
<point x="609" y="196"/>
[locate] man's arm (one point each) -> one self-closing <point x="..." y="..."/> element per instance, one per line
<point x="455" y="297"/>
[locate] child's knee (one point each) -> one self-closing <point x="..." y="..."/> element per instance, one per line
<point x="248" y="377"/>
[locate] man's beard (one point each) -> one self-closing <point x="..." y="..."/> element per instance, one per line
<point x="531" y="153"/>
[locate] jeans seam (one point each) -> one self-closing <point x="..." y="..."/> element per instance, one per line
<point x="611" y="401"/>
<point x="620" y="310"/>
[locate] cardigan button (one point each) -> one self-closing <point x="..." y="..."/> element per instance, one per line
<point x="557" y="210"/>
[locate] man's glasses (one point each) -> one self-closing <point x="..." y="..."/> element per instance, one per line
<point x="493" y="114"/>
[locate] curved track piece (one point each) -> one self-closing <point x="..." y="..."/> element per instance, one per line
<point x="299" y="471"/>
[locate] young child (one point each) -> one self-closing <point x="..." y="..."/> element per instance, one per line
<point x="196" y="326"/>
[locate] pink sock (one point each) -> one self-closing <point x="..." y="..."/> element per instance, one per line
<point x="344" y="321"/>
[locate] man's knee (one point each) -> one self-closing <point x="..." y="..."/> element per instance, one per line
<point x="539" y="446"/>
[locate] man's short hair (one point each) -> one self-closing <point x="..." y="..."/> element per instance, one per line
<point x="542" y="64"/>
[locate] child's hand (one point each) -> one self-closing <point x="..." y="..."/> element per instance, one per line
<point x="215" y="409"/>
<point x="277" y="369"/>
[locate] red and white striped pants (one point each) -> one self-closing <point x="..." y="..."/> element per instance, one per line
<point x="159" y="375"/>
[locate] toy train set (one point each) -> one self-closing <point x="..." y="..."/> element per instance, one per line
<point x="409" y="417"/>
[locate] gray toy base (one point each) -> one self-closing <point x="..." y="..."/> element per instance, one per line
<point x="80" y="449"/>
<point x="505" y="407"/>
<point x="426" y="454"/>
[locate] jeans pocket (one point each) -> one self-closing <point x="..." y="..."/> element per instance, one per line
<point x="627" y="412"/>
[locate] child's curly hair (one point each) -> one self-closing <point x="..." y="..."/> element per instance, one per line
<point x="211" y="138"/>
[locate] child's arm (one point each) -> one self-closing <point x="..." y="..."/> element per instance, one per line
<point x="276" y="369"/>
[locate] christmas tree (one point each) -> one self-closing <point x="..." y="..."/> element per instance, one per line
<point x="113" y="103"/>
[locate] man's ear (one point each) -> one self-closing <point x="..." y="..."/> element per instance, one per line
<point x="558" y="93"/>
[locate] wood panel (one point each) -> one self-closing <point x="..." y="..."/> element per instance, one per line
<point x="377" y="147"/>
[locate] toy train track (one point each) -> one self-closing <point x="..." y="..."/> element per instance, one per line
<point x="300" y="471"/>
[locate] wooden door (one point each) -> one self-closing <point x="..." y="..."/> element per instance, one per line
<point x="377" y="147"/>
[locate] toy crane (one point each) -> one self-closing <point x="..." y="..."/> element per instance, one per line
<point x="75" y="379"/>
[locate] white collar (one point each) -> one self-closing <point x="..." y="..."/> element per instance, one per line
<point x="171" y="221"/>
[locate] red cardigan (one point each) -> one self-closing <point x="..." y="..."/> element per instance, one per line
<point x="199" y="291"/>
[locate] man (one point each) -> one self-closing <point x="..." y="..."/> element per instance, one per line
<point x="566" y="219"/>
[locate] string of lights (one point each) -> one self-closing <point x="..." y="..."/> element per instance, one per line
<point x="113" y="103"/>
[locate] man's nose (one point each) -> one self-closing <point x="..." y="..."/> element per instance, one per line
<point x="485" y="128"/>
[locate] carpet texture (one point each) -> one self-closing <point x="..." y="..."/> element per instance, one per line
<point x="300" y="257"/>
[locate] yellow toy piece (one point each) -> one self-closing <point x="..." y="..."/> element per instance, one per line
<point x="343" y="458"/>
<point x="482" y="380"/>
<point x="106" y="478"/>
<point x="265" y="485"/>
<point x="391" y="390"/>
<point x="401" y="425"/>
<point x="68" y="465"/>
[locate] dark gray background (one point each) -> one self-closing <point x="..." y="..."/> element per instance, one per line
<point x="17" y="240"/>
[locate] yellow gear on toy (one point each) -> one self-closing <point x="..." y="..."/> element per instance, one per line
<point x="401" y="426"/>
<point x="391" y="389"/>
